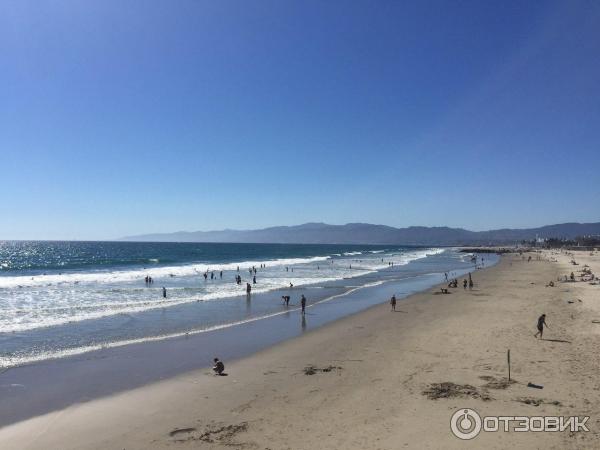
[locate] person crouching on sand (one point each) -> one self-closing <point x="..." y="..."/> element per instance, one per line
<point x="219" y="367"/>
<point x="540" y="326"/>
<point x="393" y="302"/>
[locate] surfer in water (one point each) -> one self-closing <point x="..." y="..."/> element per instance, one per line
<point x="164" y="292"/>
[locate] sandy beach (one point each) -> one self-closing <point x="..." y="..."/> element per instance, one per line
<point x="372" y="376"/>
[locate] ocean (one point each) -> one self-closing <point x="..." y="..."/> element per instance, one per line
<point x="59" y="299"/>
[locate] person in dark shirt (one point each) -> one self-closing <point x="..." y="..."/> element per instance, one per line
<point x="303" y="303"/>
<point x="393" y="302"/>
<point x="540" y="326"/>
<point x="219" y="367"/>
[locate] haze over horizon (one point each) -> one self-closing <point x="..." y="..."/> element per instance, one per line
<point x="120" y="119"/>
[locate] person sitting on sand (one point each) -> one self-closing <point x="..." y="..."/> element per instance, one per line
<point x="219" y="367"/>
<point x="540" y="326"/>
<point x="393" y="302"/>
<point x="572" y="276"/>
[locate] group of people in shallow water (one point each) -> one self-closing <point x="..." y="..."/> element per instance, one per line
<point x="286" y="300"/>
<point x="238" y="279"/>
<point x="212" y="275"/>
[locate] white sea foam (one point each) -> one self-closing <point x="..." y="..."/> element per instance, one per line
<point x="18" y="360"/>
<point x="120" y="276"/>
<point x="52" y="300"/>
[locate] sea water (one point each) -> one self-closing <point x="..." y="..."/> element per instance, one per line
<point x="67" y="298"/>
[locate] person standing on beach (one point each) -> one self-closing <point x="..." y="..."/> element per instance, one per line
<point x="393" y="302"/>
<point x="540" y="326"/>
<point x="465" y="284"/>
<point x="303" y="303"/>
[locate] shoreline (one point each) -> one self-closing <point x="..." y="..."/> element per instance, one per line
<point x="108" y="371"/>
<point x="186" y="312"/>
<point x="378" y="364"/>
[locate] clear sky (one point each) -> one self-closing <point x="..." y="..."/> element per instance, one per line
<point x="126" y="117"/>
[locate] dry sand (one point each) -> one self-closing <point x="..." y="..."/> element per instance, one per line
<point x="380" y="365"/>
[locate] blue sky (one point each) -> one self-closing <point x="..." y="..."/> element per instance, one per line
<point x="129" y="117"/>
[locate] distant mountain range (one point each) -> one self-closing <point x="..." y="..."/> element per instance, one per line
<point x="364" y="233"/>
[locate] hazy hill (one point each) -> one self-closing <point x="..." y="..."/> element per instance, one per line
<point x="364" y="233"/>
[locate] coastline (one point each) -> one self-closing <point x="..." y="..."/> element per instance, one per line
<point x="107" y="370"/>
<point x="373" y="397"/>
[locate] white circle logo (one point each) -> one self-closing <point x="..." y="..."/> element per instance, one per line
<point x="465" y="423"/>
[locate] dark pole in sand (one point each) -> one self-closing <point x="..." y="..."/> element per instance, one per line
<point x="508" y="357"/>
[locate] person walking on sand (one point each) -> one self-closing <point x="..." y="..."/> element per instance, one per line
<point x="303" y="303"/>
<point x="465" y="284"/>
<point x="540" y="326"/>
<point x="393" y="302"/>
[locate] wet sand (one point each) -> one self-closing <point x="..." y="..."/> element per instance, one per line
<point x="370" y="372"/>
